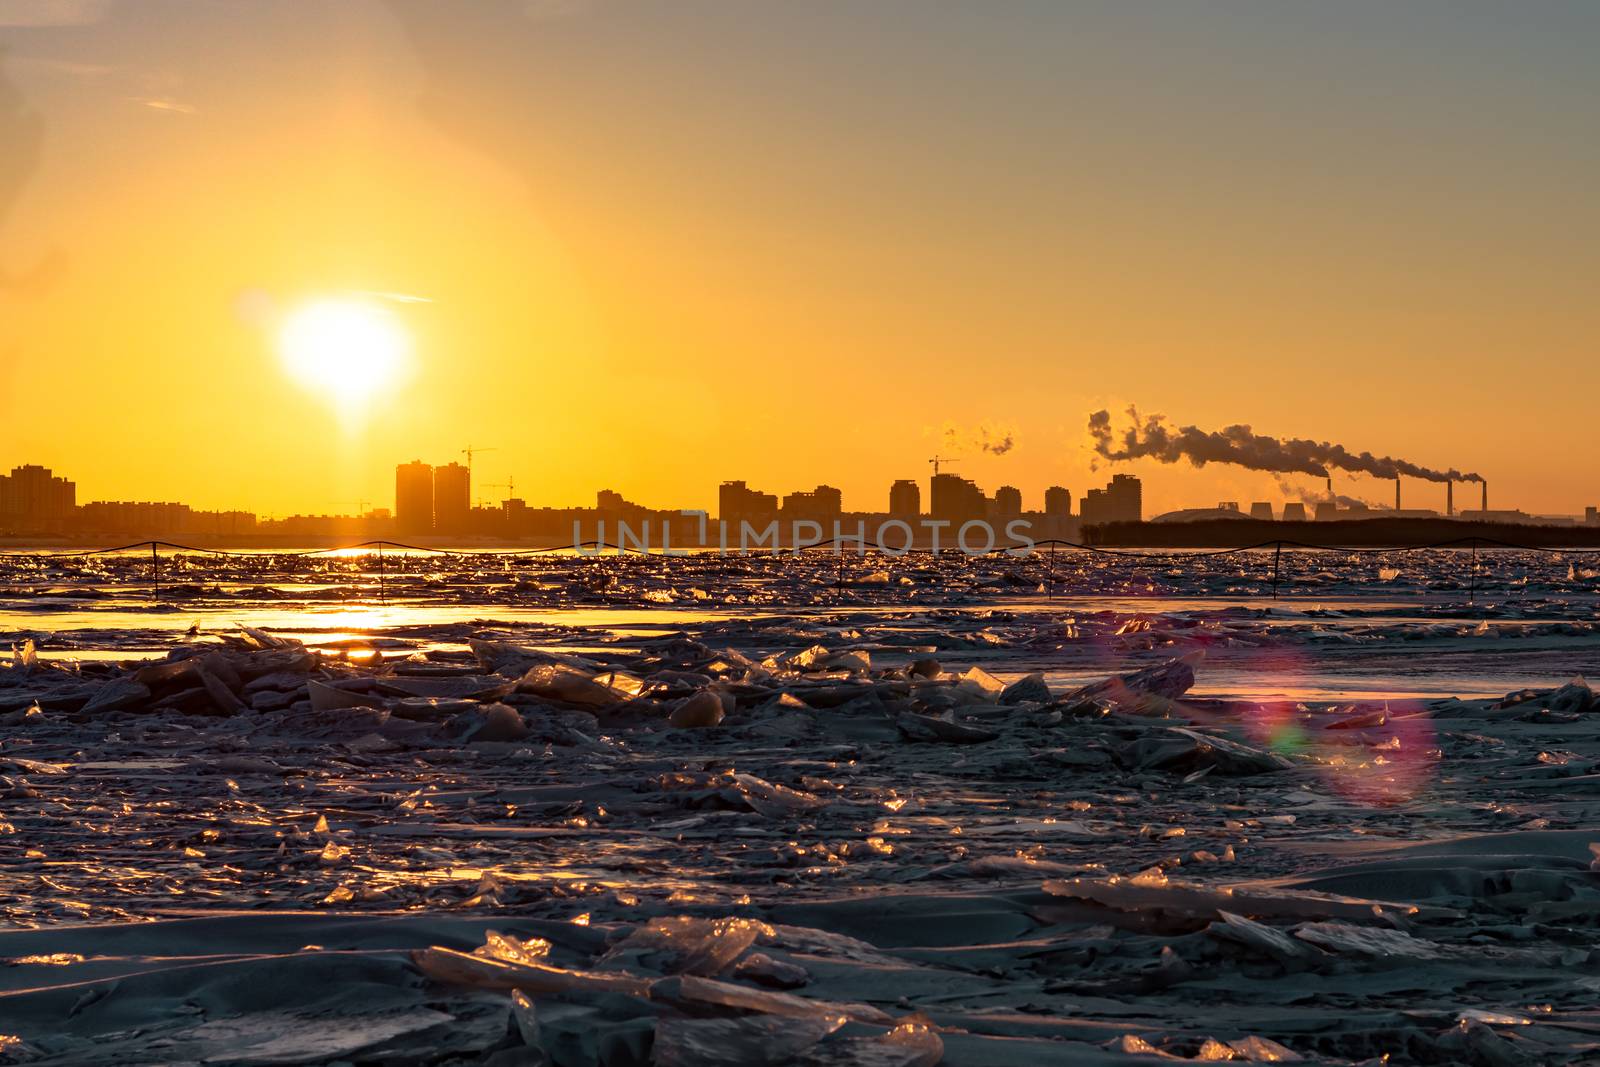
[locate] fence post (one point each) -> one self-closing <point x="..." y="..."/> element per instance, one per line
<point x="382" y="597"/>
<point x="1472" y="593"/>
<point x="1050" y="583"/>
<point x="155" y="572"/>
<point x="1277" y="559"/>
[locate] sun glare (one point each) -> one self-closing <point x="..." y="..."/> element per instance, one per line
<point x="347" y="350"/>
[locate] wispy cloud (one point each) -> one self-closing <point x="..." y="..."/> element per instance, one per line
<point x="540" y="10"/>
<point x="397" y="298"/>
<point x="52" y="12"/>
<point x="66" y="67"/>
<point x="161" y="103"/>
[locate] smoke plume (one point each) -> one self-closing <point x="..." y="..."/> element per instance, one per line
<point x="991" y="439"/>
<point x="1152" y="438"/>
<point x="1289" y="491"/>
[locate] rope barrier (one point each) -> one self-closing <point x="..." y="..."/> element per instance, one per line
<point x="600" y="546"/>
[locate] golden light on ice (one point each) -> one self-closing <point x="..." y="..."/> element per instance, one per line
<point x="347" y="350"/>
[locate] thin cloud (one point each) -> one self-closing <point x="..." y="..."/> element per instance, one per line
<point x="52" y="12"/>
<point x="541" y="10"/>
<point x="66" y="67"/>
<point x="397" y="298"/>
<point x="159" y="103"/>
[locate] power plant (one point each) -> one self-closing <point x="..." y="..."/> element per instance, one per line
<point x="1329" y="506"/>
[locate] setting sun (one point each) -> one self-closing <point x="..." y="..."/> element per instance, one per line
<point x="347" y="350"/>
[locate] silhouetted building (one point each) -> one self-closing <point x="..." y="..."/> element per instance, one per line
<point x="1591" y="516"/>
<point x="823" y="502"/>
<point x="1125" y="494"/>
<point x="140" y="518"/>
<point x="956" y="500"/>
<point x="613" y="507"/>
<point x="1007" y="502"/>
<point x="1057" y="502"/>
<point x="1092" y="508"/>
<point x="33" y="498"/>
<point x="1294" y="511"/>
<point x="413" y="498"/>
<point x="1122" y="500"/>
<point x="905" y="499"/>
<point x="1262" y="510"/>
<point x="150" y="519"/>
<point x="452" y="499"/>
<point x="737" y="502"/>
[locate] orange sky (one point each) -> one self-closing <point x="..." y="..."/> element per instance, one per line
<point x="655" y="246"/>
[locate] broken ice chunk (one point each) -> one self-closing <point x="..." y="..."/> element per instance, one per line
<point x="689" y="989"/>
<point x="684" y="945"/>
<point x="754" y="1041"/>
<point x="1367" y="941"/>
<point x="460" y="968"/>
<point x="978" y="683"/>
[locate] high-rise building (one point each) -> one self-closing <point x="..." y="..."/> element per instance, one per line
<point x="1057" y="502"/>
<point x="1122" y="500"/>
<point x="1262" y="510"/>
<point x="737" y="502"/>
<point x="33" y="498"/>
<point x="1126" y="494"/>
<point x="413" y="497"/>
<point x="905" y="499"/>
<point x="1007" y="502"/>
<point x="452" y="499"/>
<point x="956" y="500"/>
<point x="823" y="502"/>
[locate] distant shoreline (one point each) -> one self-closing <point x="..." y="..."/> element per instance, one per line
<point x="1203" y="534"/>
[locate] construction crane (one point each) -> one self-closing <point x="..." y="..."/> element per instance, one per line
<point x="469" y="452"/>
<point x="936" y="460"/>
<point x="509" y="485"/>
<point x="361" y="506"/>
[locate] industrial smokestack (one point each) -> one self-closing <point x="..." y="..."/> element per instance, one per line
<point x="1449" y="499"/>
<point x="1397" y="494"/>
<point x="1486" y="498"/>
<point x="1151" y="437"/>
<point x="1330" y="487"/>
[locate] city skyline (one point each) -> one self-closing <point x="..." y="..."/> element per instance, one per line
<point x="906" y="236"/>
<point x="440" y="502"/>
